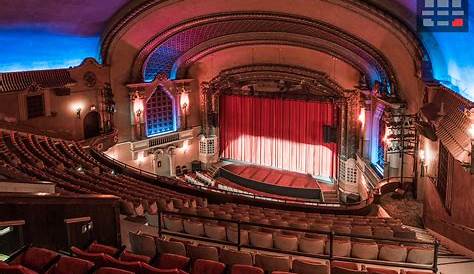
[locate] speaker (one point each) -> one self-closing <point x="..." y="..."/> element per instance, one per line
<point x="329" y="134"/>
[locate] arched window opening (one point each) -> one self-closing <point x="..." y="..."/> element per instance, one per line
<point x="160" y="113"/>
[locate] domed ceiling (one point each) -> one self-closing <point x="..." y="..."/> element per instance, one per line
<point x="45" y="34"/>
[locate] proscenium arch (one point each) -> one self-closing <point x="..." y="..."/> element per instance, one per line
<point x="318" y="83"/>
<point x="140" y="21"/>
<point x="165" y="48"/>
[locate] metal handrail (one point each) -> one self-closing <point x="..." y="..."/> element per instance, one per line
<point x="331" y="235"/>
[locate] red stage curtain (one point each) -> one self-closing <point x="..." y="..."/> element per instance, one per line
<point x="279" y="133"/>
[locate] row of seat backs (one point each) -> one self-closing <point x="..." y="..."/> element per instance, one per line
<point x="39" y="260"/>
<point x="179" y="225"/>
<point x="318" y="245"/>
<point x="231" y="257"/>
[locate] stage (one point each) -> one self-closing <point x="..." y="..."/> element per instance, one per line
<point x="272" y="181"/>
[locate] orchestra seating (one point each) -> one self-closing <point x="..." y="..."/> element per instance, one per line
<point x="98" y="258"/>
<point x="74" y="170"/>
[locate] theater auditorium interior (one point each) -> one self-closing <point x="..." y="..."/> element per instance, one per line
<point x="236" y="136"/>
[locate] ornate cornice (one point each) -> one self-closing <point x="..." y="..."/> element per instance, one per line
<point x="290" y="81"/>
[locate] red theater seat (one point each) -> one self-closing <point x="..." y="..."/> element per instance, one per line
<point x="246" y="269"/>
<point x="414" y="272"/>
<point x="132" y="257"/>
<point x="15" y="269"/>
<point x="36" y="259"/>
<point x="171" y="261"/>
<point x="202" y="266"/>
<point x="347" y="265"/>
<point x="99" y="259"/>
<point x="165" y="246"/>
<point x="377" y="270"/>
<point x="111" y="270"/>
<point x="100" y="248"/>
<point x="71" y="265"/>
<point x="130" y="266"/>
<point x="148" y="269"/>
<point x="309" y="267"/>
<point x="203" y="252"/>
<point x="231" y="257"/>
<point x="271" y="263"/>
<point x="345" y="268"/>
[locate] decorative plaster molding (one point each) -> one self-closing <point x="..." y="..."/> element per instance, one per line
<point x="133" y="11"/>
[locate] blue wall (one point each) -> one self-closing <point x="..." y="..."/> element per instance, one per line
<point x="23" y="48"/>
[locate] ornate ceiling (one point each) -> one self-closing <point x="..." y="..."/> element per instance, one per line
<point x="169" y="51"/>
<point x="70" y="31"/>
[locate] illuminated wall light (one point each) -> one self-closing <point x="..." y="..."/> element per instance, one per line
<point x="140" y="158"/>
<point x="385" y="138"/>
<point x="185" y="146"/>
<point x="425" y="155"/>
<point x="422" y="155"/>
<point x="77" y="108"/>
<point x="138" y="105"/>
<point x="361" y="117"/>
<point x="184" y="100"/>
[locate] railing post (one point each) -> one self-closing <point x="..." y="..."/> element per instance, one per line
<point x="159" y="223"/>
<point x="238" y="235"/>
<point x="331" y="242"/>
<point x="435" y="258"/>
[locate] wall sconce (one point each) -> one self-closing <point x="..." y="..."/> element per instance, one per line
<point x="140" y="158"/>
<point x="138" y="107"/>
<point x="184" y="102"/>
<point x="78" y="112"/>
<point x="185" y="146"/>
<point x="385" y="138"/>
<point x="422" y="156"/>
<point x="138" y="112"/>
<point x="361" y="117"/>
<point x="470" y="132"/>
<point x="77" y="108"/>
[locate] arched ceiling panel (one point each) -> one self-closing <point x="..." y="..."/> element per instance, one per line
<point x="270" y="38"/>
<point x="210" y="65"/>
<point x="165" y="49"/>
